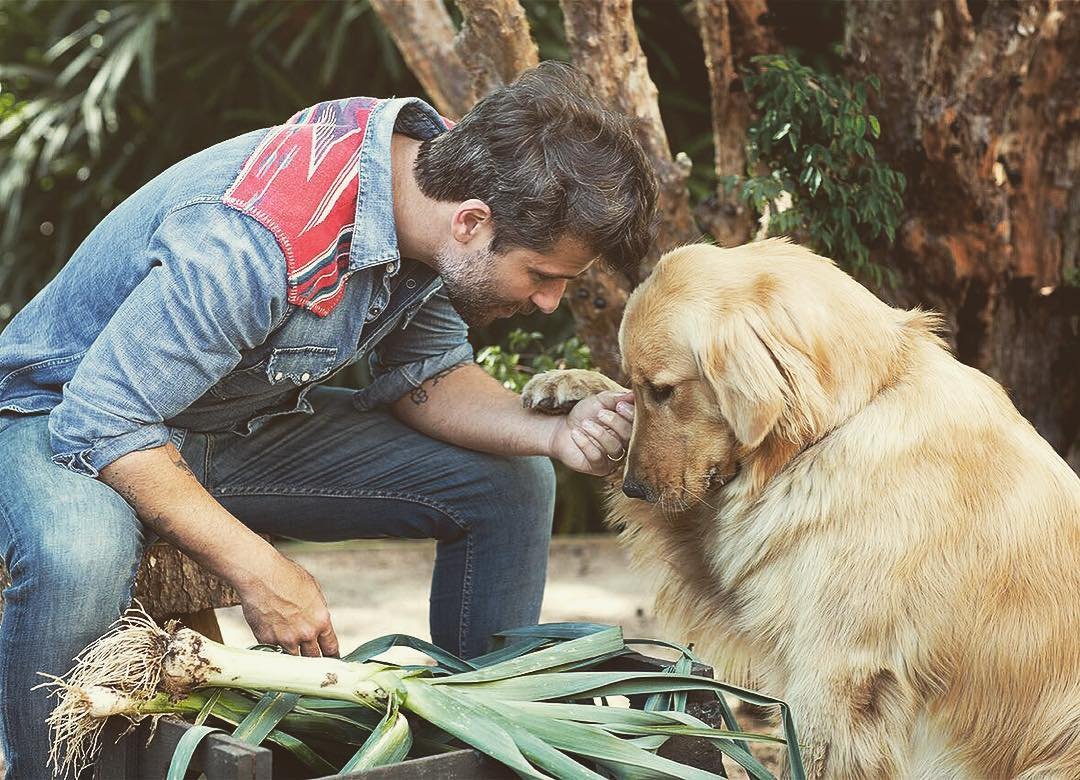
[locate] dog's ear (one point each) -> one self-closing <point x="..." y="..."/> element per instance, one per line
<point x="744" y="375"/>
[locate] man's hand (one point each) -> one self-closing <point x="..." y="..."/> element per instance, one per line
<point x="282" y="603"/>
<point x="286" y="607"/>
<point x="593" y="438"/>
<point x="470" y="409"/>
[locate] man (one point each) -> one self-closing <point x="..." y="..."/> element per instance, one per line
<point x="166" y="383"/>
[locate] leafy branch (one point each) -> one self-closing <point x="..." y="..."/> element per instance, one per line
<point x="811" y="165"/>
<point x="525" y="354"/>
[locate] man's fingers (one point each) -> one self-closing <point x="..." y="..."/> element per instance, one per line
<point x="601" y="463"/>
<point x="622" y="403"/>
<point x="310" y="649"/>
<point x="588" y="447"/>
<point x="609" y="398"/>
<point x="328" y="641"/>
<point x="607" y="441"/>
<point x="616" y="423"/>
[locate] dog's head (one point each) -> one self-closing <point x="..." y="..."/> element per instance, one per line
<point x="740" y="357"/>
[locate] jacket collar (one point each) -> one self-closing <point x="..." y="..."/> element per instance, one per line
<point x="374" y="238"/>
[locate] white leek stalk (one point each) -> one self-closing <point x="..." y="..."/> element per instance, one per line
<point x="134" y="662"/>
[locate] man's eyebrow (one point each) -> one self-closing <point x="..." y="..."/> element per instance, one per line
<point x="568" y="277"/>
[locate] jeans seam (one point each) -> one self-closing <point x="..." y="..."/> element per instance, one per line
<point x="206" y="461"/>
<point x="322" y="493"/>
<point x="8" y="699"/>
<point x="466" y="595"/>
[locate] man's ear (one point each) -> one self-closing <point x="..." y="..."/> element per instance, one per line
<point x="743" y="374"/>
<point x="470" y="221"/>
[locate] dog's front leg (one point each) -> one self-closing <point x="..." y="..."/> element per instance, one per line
<point x="852" y="722"/>
<point x="556" y="392"/>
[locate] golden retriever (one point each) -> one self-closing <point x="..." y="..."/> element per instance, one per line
<point x="828" y="490"/>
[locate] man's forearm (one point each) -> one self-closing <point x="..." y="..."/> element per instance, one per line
<point x="282" y="602"/>
<point x="167" y="497"/>
<point x="465" y="406"/>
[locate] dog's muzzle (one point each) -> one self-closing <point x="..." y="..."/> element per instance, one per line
<point x="632" y="488"/>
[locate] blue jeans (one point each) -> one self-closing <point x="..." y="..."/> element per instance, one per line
<point x="72" y="545"/>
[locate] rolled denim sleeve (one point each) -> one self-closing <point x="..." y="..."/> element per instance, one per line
<point x="435" y="340"/>
<point x="215" y="285"/>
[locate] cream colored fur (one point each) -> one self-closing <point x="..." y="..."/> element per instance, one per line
<point x="871" y="521"/>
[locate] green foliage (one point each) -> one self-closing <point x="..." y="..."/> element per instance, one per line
<point x="813" y="140"/>
<point x="518" y="358"/>
<point x="525" y="354"/>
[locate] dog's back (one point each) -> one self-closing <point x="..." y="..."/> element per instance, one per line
<point x="992" y="565"/>
<point x="978" y="520"/>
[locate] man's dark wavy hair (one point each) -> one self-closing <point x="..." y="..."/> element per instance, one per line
<point x="551" y="162"/>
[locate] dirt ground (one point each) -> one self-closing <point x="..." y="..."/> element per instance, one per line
<point x="381" y="587"/>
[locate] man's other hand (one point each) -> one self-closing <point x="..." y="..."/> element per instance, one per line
<point x="593" y="438"/>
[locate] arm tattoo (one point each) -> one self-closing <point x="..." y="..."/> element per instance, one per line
<point x="419" y="395"/>
<point x="184" y="467"/>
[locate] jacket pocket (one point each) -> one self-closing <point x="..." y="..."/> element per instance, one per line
<point x="285" y="367"/>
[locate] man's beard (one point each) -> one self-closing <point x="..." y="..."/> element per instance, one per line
<point x="469" y="281"/>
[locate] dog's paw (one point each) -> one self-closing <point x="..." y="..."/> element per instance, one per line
<point x="556" y="392"/>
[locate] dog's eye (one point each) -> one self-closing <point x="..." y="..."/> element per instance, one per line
<point x="661" y="393"/>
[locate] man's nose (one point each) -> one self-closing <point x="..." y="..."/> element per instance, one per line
<point x="547" y="298"/>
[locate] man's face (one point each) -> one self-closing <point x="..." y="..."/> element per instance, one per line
<point x="483" y="286"/>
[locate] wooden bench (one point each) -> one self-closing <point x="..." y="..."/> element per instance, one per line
<point x="172" y="586"/>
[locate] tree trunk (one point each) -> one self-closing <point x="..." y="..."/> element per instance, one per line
<point x="980" y="113"/>
<point x="424" y="34"/>
<point x="978" y="108"/>
<point x="725" y="215"/>
<point x="495" y="43"/>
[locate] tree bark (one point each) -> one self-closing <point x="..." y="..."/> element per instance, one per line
<point x="725" y="215"/>
<point x="980" y="113"/>
<point x="495" y="42"/>
<point x="424" y="34"/>
<point x="751" y="33"/>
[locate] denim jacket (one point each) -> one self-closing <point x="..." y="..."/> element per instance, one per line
<point x="216" y="296"/>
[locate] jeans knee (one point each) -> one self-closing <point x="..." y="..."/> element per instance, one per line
<point x="86" y="578"/>
<point x="533" y="480"/>
<point x="521" y="498"/>
<point x="529" y="484"/>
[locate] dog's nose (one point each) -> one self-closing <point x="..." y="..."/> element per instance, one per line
<point x="634" y="489"/>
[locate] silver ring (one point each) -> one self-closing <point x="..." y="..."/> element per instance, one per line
<point x="616" y="460"/>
